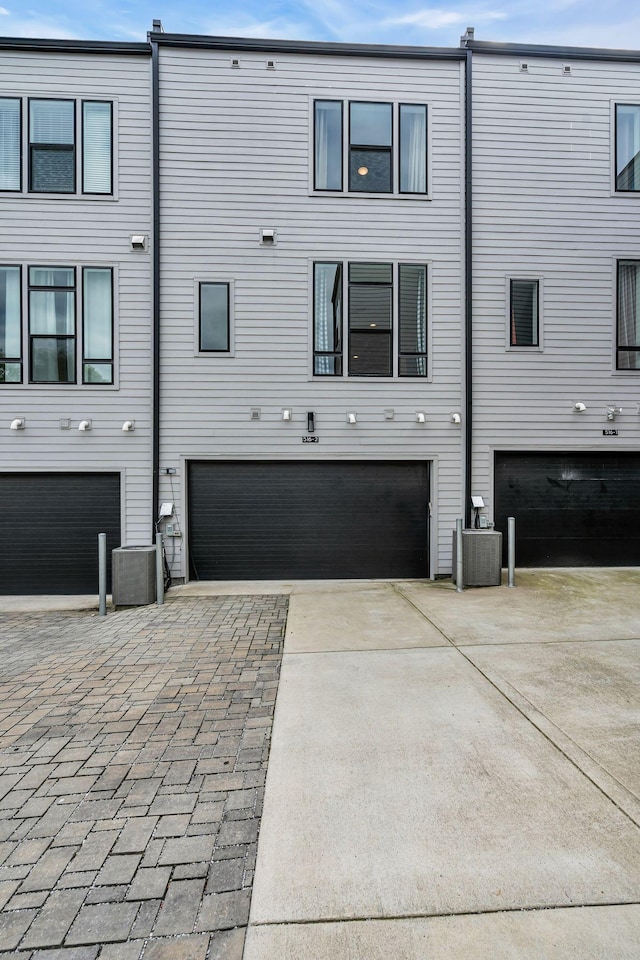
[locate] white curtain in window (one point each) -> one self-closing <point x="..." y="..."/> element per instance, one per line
<point x="51" y="311"/>
<point x="10" y="312"/>
<point x="9" y="144"/>
<point x="97" y="312"/>
<point x="96" y="146"/>
<point x="413" y="133"/>
<point x="52" y="121"/>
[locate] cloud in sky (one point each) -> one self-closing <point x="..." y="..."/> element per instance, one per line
<point x="567" y="22"/>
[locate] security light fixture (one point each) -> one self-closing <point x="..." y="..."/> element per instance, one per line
<point x="352" y="417"/>
<point x="421" y="417"/>
<point x="579" y="407"/>
<point x="286" y="413"/>
<point x="613" y="412"/>
<point x="456" y="418"/>
<point x="17" y="424"/>
<point x="84" y="426"/>
<point x="128" y="426"/>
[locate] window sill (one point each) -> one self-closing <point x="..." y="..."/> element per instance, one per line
<point x="24" y="195"/>
<point x="344" y="194"/>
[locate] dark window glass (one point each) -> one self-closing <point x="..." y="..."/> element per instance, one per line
<point x="97" y="325"/>
<point x="627" y="147"/>
<point x="412" y="320"/>
<point x="370" y="319"/>
<point x="413" y="148"/>
<point x="327" y="319"/>
<point x="52" y="324"/>
<point x="214" y="317"/>
<point x="629" y="314"/>
<point x="96" y="147"/>
<point x="10" y="137"/>
<point x="370" y="146"/>
<point x="524" y="313"/>
<point x="10" y="325"/>
<point x="52" y="146"/>
<point x="328" y="145"/>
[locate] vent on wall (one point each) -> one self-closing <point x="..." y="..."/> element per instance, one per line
<point x="524" y="68"/>
<point x="235" y="64"/>
<point x="566" y="69"/>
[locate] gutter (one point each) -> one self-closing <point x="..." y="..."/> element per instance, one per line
<point x="155" y="160"/>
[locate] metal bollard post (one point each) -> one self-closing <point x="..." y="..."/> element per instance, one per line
<point x="511" y="551"/>
<point x="159" y="570"/>
<point x="102" y="574"/>
<point x="459" y="558"/>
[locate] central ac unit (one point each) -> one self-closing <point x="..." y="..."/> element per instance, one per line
<point x="481" y="558"/>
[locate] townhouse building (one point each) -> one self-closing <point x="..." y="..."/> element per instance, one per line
<point x="75" y="308"/>
<point x="315" y="297"/>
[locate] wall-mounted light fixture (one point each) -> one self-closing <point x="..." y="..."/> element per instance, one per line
<point x="286" y="413"/>
<point x="421" y="417"/>
<point x="128" y="426"/>
<point x="579" y="407"/>
<point x="84" y="426"/>
<point x="18" y="423"/>
<point x="613" y="412"/>
<point x="456" y="418"/>
<point x="352" y="417"/>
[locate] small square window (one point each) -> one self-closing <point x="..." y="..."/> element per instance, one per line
<point x="214" y="318"/>
<point x="523" y="313"/>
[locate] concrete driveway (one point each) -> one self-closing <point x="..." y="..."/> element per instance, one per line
<point x="455" y="775"/>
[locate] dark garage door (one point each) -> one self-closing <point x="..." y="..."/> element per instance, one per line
<point x="578" y="509"/>
<point x="286" y="519"/>
<point x="51" y="524"/>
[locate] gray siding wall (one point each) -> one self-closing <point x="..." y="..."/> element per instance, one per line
<point x="41" y="230"/>
<point x="545" y="207"/>
<point x="236" y="150"/>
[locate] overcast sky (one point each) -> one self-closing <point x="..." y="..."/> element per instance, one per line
<point x="615" y="23"/>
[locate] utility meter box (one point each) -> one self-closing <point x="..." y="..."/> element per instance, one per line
<point x="133" y="576"/>
<point x="481" y="558"/>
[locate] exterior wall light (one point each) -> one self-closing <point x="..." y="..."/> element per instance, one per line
<point x="84" y="426"/>
<point x="421" y="417"/>
<point x="352" y="417"/>
<point x="579" y="407"/>
<point x="128" y="426"/>
<point x="613" y="412"/>
<point x="18" y="423"/>
<point x="286" y="414"/>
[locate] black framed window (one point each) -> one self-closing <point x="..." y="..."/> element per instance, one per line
<point x="327" y="319"/>
<point x="52" y="324"/>
<point x="370" y="319"/>
<point x="327" y="173"/>
<point x="412" y="320"/>
<point x="628" y="346"/>
<point x="97" y="146"/>
<point x="10" y="143"/>
<point x="10" y="324"/>
<point x="97" y="325"/>
<point x="628" y="147"/>
<point x="370" y="147"/>
<point x="524" y="303"/>
<point x="52" y="146"/>
<point x="214" y="318"/>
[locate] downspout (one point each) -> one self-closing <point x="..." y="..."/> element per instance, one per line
<point x="468" y="253"/>
<point x="155" y="102"/>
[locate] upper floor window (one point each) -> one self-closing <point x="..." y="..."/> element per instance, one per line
<point x="57" y="351"/>
<point x="214" y="326"/>
<point x="387" y="147"/>
<point x="524" y="302"/>
<point x="69" y="146"/>
<point x="627" y="147"/>
<point x="628" y="347"/>
<point x="375" y="342"/>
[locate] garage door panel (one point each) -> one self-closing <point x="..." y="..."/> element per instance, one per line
<point x="52" y="531"/>
<point x="571" y="509"/>
<point x="278" y="520"/>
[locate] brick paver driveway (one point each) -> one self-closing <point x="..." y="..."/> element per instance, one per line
<point x="133" y="753"/>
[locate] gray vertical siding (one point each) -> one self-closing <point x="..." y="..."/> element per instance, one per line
<point x="544" y="207"/>
<point x="235" y="157"/>
<point x="36" y="229"/>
